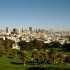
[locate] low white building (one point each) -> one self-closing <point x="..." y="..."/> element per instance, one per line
<point x="47" y="41"/>
<point x="15" y="46"/>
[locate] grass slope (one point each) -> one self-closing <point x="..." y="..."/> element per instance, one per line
<point x="15" y="64"/>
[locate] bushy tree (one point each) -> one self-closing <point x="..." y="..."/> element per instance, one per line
<point x="8" y="44"/>
<point x="46" y="46"/>
<point x="52" y="55"/>
<point x="2" y="49"/>
<point x="35" y="56"/>
<point x="24" y="57"/>
<point x="38" y="44"/>
<point x="66" y="47"/>
<point x="31" y="45"/>
<point x="24" y="45"/>
<point x="61" y="59"/>
<point x="43" y="57"/>
<point x="14" y="52"/>
<point x="67" y="58"/>
<point x="55" y="44"/>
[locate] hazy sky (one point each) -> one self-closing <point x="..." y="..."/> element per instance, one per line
<point x="47" y="14"/>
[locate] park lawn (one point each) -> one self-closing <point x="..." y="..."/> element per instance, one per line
<point x="15" y="64"/>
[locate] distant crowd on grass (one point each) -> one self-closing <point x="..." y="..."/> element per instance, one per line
<point x="43" y="53"/>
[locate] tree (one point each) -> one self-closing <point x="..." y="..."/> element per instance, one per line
<point x="38" y="44"/>
<point x="44" y="57"/>
<point x="2" y="49"/>
<point x="52" y="55"/>
<point x="55" y="44"/>
<point x="24" y="57"/>
<point x="14" y="52"/>
<point x="67" y="58"/>
<point x="31" y="45"/>
<point x="66" y="46"/>
<point x="35" y="56"/>
<point x="46" y="45"/>
<point x="8" y="44"/>
<point x="24" y="45"/>
<point x="61" y="59"/>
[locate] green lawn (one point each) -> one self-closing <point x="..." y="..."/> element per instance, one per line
<point x="15" y="64"/>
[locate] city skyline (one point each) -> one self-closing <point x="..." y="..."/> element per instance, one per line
<point x="43" y="14"/>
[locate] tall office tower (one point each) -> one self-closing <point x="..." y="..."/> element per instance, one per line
<point x="16" y="31"/>
<point x="6" y="29"/>
<point x="51" y="31"/>
<point x="30" y="29"/>
<point x="22" y="30"/>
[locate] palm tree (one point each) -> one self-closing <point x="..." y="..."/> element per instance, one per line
<point x="24" y="57"/>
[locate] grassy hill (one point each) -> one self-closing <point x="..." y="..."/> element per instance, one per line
<point x="7" y="63"/>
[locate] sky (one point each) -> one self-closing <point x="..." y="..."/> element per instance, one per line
<point x="43" y="14"/>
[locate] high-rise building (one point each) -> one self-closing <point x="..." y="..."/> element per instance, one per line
<point x="16" y="31"/>
<point x="6" y="29"/>
<point x="22" y="30"/>
<point x="30" y="29"/>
